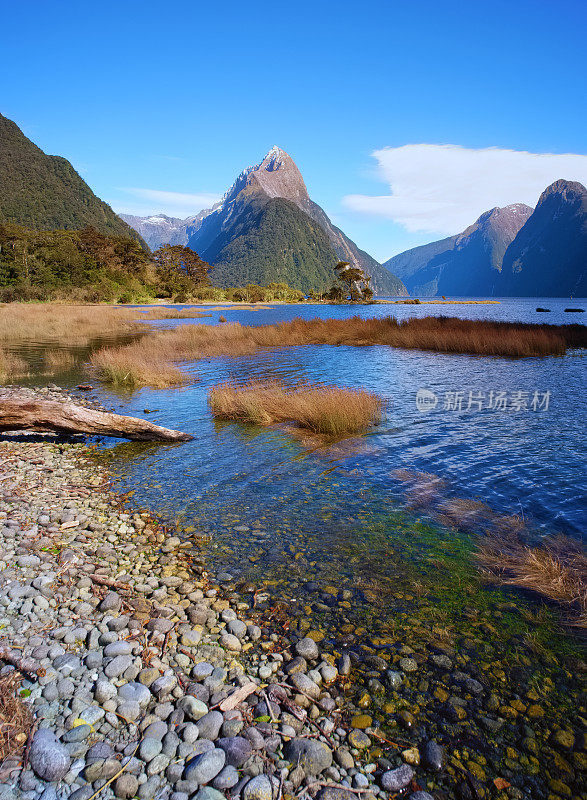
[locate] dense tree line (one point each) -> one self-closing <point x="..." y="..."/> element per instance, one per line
<point x="89" y="266"/>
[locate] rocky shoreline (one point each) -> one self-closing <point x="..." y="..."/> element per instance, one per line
<point x="143" y="679"/>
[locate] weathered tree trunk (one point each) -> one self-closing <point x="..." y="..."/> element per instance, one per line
<point x="48" y="415"/>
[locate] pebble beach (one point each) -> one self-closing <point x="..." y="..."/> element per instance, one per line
<point x="140" y="674"/>
<point x="142" y="680"/>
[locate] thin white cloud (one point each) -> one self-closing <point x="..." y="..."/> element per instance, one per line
<point x="444" y="188"/>
<point x="174" y="204"/>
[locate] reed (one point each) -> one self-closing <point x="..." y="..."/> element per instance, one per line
<point x="556" y="570"/>
<point x="326" y="410"/>
<point x="59" y="360"/>
<point x="173" y="313"/>
<point x="11" y="366"/>
<point x="64" y="324"/>
<point x="441" y="334"/>
<point x="79" y="325"/>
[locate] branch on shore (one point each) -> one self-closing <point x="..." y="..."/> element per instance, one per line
<point x="28" y="666"/>
<point x="48" y="415"/>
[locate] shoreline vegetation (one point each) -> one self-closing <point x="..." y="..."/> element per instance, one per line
<point x="507" y="553"/>
<point x="153" y="360"/>
<point x="326" y="410"/>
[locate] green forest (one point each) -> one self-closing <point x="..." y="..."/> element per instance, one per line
<point x="278" y="243"/>
<point x="87" y="266"/>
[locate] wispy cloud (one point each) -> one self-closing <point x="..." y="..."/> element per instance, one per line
<point x="444" y="188"/>
<point x="174" y="204"/>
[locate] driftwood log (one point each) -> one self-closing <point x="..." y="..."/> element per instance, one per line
<point x="49" y="415"/>
<point x="28" y="666"/>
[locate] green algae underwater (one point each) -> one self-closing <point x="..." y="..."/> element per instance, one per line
<point x="437" y="652"/>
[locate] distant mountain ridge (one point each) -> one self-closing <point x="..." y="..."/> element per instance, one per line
<point x="43" y="192"/>
<point x="159" y="229"/>
<point x="467" y="264"/>
<point x="548" y="257"/>
<point x="236" y="236"/>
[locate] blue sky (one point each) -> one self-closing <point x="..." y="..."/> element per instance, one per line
<point x="179" y="97"/>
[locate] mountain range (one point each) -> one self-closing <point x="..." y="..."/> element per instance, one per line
<point x="43" y="192"/>
<point x="266" y="228"/>
<point x="514" y="251"/>
<point x="548" y="257"/>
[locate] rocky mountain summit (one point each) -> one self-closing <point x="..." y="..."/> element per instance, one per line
<point x="548" y="257"/>
<point x="267" y="228"/>
<point x="467" y="264"/>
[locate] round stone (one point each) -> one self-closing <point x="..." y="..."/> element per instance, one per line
<point x="359" y="739"/>
<point x="226" y="778"/>
<point x="237" y="749"/>
<point x="192" y="707"/>
<point x="258" y="788"/>
<point x="307" y="648"/>
<point x="312" y="756"/>
<point x="48" y="758"/>
<point x="209" y="725"/>
<point x="396" y="779"/>
<point x="126" y="786"/>
<point x="433" y="755"/>
<point x="230" y="642"/>
<point x="205" y="767"/>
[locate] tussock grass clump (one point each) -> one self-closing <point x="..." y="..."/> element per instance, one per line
<point x="556" y="570"/>
<point x="59" y="360"/>
<point x="11" y="366"/>
<point x="15" y="717"/>
<point x="327" y="410"/>
<point x="135" y="366"/>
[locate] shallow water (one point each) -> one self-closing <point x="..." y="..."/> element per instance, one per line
<point x="357" y="541"/>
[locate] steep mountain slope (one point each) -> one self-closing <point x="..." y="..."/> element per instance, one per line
<point x="274" y="241"/>
<point x="45" y="192"/>
<point x="277" y="177"/>
<point x="406" y="264"/>
<point x="467" y="264"/>
<point x="548" y="257"/>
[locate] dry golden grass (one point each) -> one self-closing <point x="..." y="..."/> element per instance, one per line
<point x="442" y="334"/>
<point x="59" y="360"/>
<point x="15" y="717"/>
<point x="326" y="410"/>
<point x="135" y="366"/>
<point x="78" y="325"/>
<point x="189" y="342"/>
<point x="172" y="313"/>
<point x="11" y="366"/>
<point x="65" y="324"/>
<point x="556" y="570"/>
